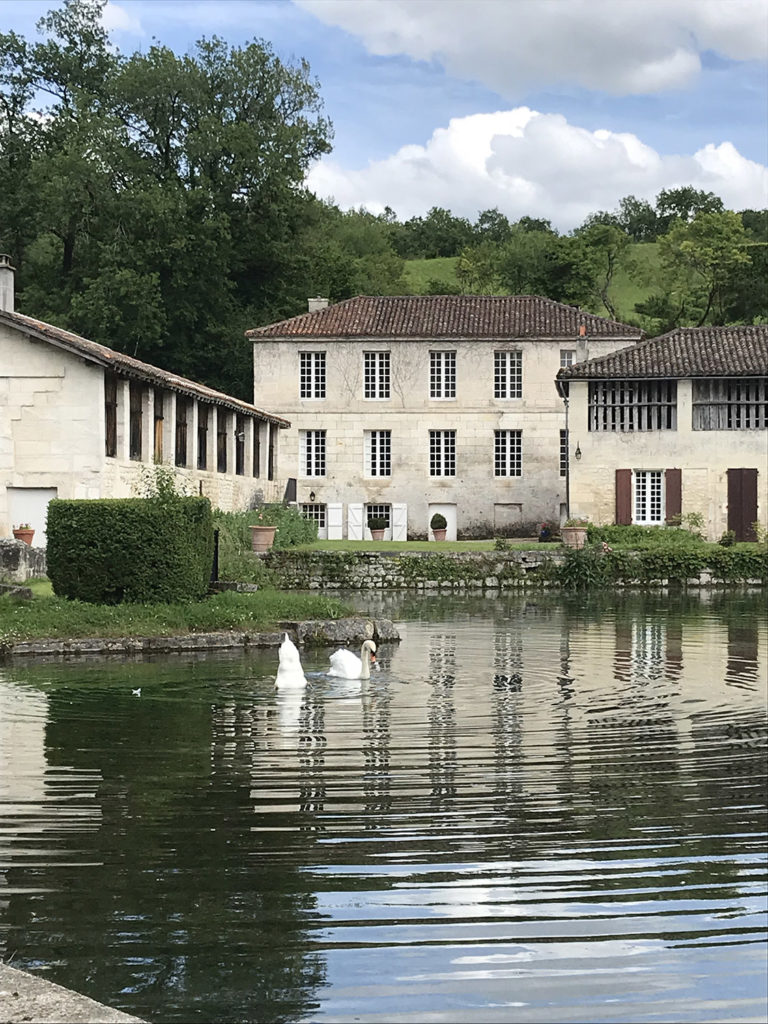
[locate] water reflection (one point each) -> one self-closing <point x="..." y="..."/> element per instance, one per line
<point x="537" y="809"/>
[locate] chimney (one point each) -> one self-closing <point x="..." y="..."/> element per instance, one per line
<point x="313" y="305"/>
<point x="6" y="284"/>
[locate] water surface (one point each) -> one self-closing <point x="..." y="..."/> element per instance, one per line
<point x="537" y="810"/>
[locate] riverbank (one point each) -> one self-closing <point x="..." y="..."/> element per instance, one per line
<point x="30" y="999"/>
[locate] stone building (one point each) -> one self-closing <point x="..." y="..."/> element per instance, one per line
<point x="79" y="420"/>
<point x="403" y="406"/>
<point x="673" y="426"/>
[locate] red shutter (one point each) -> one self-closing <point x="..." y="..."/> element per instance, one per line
<point x="623" y="497"/>
<point x="673" y="480"/>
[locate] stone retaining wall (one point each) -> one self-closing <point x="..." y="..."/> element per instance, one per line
<point x="19" y="562"/>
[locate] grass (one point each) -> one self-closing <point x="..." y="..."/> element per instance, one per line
<point x="628" y="286"/>
<point x="50" y="617"/>
<point x="386" y="546"/>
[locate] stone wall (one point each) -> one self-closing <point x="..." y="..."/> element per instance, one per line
<point x="19" y="562"/>
<point x="421" y="570"/>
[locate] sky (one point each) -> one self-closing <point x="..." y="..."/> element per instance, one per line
<point x="542" y="108"/>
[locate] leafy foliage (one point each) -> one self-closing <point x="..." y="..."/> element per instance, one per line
<point x="130" y="549"/>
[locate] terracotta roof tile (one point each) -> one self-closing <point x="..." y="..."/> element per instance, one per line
<point x="128" y="366"/>
<point x="685" y="352"/>
<point x="447" y="316"/>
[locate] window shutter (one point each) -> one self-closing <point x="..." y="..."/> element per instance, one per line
<point x="354" y="522"/>
<point x="623" y="497"/>
<point x="399" y="522"/>
<point x="334" y="520"/>
<point x="673" y="481"/>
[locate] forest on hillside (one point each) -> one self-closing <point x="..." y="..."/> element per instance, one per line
<point x="155" y="202"/>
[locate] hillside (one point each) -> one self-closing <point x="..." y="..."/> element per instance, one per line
<point x="630" y="285"/>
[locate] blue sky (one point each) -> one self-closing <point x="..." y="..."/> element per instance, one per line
<point x="542" y="107"/>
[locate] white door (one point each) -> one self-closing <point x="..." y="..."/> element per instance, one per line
<point x="30" y="505"/>
<point x="354" y="522"/>
<point x="449" y="511"/>
<point x="399" y="522"/>
<point x="335" y="521"/>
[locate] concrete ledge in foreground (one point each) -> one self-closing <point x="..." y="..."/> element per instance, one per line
<point x="27" y="999"/>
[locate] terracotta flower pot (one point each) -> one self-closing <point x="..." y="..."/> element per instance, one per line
<point x="439" y="534"/>
<point x="262" y="538"/>
<point x="377" y="534"/>
<point x="573" y="536"/>
<point x="25" y="535"/>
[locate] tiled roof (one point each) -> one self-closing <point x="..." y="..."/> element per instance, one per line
<point x="685" y="352"/>
<point x="447" y="316"/>
<point x="128" y="366"/>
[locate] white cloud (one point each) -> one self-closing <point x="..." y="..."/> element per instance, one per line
<point x="115" y="18"/>
<point x="539" y="165"/>
<point x="635" y="46"/>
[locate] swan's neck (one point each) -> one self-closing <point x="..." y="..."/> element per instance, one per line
<point x="365" y="657"/>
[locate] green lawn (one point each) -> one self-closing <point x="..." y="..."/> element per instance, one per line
<point x="418" y="273"/>
<point x="417" y="545"/>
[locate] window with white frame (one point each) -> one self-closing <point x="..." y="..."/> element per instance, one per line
<point x="507" y="374"/>
<point x="648" y="497"/>
<point x="567" y="357"/>
<point x="508" y="453"/>
<point x="316" y="513"/>
<point x="312" y="453"/>
<point x="442" y="453"/>
<point x="378" y="452"/>
<point x="376" y="374"/>
<point x="563" y="453"/>
<point x="312" y="375"/>
<point x="379" y="512"/>
<point x="442" y="374"/>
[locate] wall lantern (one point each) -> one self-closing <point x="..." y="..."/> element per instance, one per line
<point x="311" y="495"/>
<point x="577" y="453"/>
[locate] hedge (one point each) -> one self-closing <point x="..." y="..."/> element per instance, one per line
<point x="106" y="551"/>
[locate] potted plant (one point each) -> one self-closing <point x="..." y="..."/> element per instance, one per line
<point x="262" y="533"/>
<point x="438" y="524"/>
<point x="24" y="532"/>
<point x="545" y="533"/>
<point x="377" y="525"/>
<point x="573" y="532"/>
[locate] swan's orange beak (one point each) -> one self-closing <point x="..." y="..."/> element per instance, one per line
<point x="373" y="657"/>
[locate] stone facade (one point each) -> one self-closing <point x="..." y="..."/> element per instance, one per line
<point x="480" y="498"/>
<point x="54" y="409"/>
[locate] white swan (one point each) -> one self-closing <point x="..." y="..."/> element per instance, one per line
<point x="289" y="671"/>
<point x="348" y="666"/>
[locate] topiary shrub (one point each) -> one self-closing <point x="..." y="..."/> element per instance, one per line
<point x="438" y="521"/>
<point x="108" y="551"/>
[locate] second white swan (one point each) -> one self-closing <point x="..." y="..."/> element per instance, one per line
<point x="348" y="666"/>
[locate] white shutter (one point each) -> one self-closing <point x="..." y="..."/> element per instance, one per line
<point x="354" y="522"/>
<point x="399" y="522"/>
<point x="334" y="521"/>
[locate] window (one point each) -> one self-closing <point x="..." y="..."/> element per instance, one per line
<point x="648" y="497"/>
<point x="317" y="513"/>
<point x="376" y="374"/>
<point x="182" y="404"/>
<point x="312" y="375"/>
<point x="567" y="357"/>
<point x="380" y="511"/>
<point x="507" y="374"/>
<point x="256" y="448"/>
<point x="563" y="453"/>
<point x="442" y="374"/>
<point x="730" y="404"/>
<point x="158" y="426"/>
<point x="442" y="453"/>
<point x="508" y="453"/>
<point x="110" y="415"/>
<point x="378" y="452"/>
<point x="627" y="405"/>
<point x="221" y="440"/>
<point x="312" y="452"/>
<point x="240" y="425"/>
<point x="202" y="436"/>
<point x="136" y="404"/>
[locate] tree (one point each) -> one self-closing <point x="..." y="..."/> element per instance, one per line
<point x="477" y="269"/>
<point x="156" y="202"/>
<point x="492" y="226"/>
<point x="684" y="203"/>
<point x="699" y="262"/>
<point x="607" y="247"/>
<point x="638" y="218"/>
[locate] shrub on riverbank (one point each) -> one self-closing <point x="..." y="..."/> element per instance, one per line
<point x="236" y="558"/>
